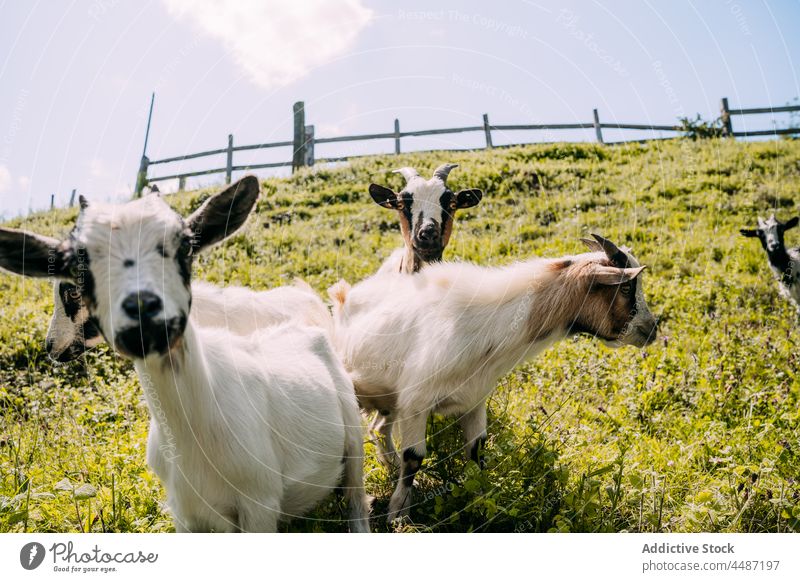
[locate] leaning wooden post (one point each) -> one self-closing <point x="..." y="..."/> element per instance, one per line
<point x="487" y="129"/>
<point x="229" y="162"/>
<point x="72" y="198"/>
<point x="141" y="177"/>
<point x="725" y="117"/>
<point x="181" y="183"/>
<point x="598" y="131"/>
<point x="308" y="145"/>
<point x="52" y="201"/>
<point x="397" y="136"/>
<point x="298" y="159"/>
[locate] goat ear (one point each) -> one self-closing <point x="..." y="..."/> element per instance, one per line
<point x="791" y="223"/>
<point x="605" y="275"/>
<point x="224" y="213"/>
<point x="30" y="254"/>
<point x="468" y="198"/>
<point x="748" y="232"/>
<point x="383" y="196"/>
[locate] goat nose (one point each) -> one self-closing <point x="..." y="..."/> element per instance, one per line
<point x="428" y="233"/>
<point x="142" y="305"/>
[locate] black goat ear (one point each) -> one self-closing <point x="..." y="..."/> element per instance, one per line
<point x="383" y="196"/>
<point x="224" y="213"/>
<point x="31" y="255"/>
<point x="749" y="232"/>
<point x="791" y="223"/>
<point x="468" y="198"/>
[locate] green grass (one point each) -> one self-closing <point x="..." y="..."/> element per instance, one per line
<point x="698" y="433"/>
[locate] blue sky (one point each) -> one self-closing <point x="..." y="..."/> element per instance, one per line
<point x="76" y="77"/>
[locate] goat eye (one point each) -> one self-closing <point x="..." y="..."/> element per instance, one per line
<point x="185" y="247"/>
<point x="625" y="289"/>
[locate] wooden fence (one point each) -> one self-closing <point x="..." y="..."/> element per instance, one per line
<point x="304" y="140"/>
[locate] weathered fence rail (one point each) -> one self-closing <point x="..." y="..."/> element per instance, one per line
<point x="304" y="141"/>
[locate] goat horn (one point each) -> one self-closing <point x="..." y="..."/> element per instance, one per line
<point x="408" y="173"/>
<point x="592" y="244"/>
<point x="443" y="171"/>
<point x="612" y="251"/>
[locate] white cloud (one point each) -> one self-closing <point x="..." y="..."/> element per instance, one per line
<point x="5" y="179"/>
<point x="276" y="42"/>
<point x="24" y="183"/>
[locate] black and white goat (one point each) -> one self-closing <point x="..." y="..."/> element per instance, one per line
<point x="785" y="263"/>
<point x="426" y="209"/>
<point x="440" y="340"/>
<point x="245" y="430"/>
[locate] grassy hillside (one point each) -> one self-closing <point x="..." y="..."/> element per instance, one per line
<point x="698" y="433"/>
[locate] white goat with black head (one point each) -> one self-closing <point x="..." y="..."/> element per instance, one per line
<point x="245" y="431"/>
<point x="440" y="340"/>
<point x="785" y="263"/>
<point x="426" y="209"/>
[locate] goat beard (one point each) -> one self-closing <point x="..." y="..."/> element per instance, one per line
<point x="150" y="337"/>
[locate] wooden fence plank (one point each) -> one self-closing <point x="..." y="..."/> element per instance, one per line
<point x="299" y="155"/>
<point x="598" y="130"/>
<point x="725" y="118"/>
<point x="757" y="110"/>
<point x="190" y="156"/>
<point x="487" y="130"/>
<point x="229" y="160"/>
<point x="776" y="131"/>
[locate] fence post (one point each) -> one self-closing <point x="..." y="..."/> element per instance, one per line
<point x="487" y="129"/>
<point x="229" y="162"/>
<point x="598" y="131"/>
<point x="299" y="157"/>
<point x="308" y="145"/>
<point x="397" y="136"/>
<point x="725" y="117"/>
<point x="72" y="198"/>
<point x="181" y="183"/>
<point x="141" y="177"/>
<point x="52" y="201"/>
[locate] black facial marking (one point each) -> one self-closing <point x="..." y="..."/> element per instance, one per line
<point x="128" y="263"/>
<point x="632" y="298"/>
<point x="70" y="299"/>
<point x="90" y="328"/>
<point x="412" y="461"/>
<point x="160" y="250"/>
<point x="79" y="263"/>
<point x="620" y="259"/>
<point x="445" y="202"/>
<point x="184" y="260"/>
<point x="150" y="336"/>
<point x="408" y="201"/>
